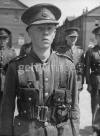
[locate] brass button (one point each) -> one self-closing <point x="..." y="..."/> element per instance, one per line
<point x="59" y="99"/>
<point x="46" y="79"/>
<point x="46" y="94"/>
<point x="24" y="111"/>
<point x="29" y="98"/>
<point x="19" y="123"/>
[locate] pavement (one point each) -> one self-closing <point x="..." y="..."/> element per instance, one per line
<point x="85" y="113"/>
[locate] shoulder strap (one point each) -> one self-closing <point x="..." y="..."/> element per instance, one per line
<point x="65" y="56"/>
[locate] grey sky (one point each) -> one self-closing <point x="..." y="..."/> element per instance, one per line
<point x="68" y="7"/>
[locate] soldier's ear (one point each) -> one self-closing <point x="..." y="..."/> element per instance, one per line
<point x="66" y="38"/>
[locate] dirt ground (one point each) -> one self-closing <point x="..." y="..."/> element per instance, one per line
<point x="85" y="113"/>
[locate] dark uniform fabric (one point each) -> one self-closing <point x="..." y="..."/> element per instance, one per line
<point x="6" y="54"/>
<point x="50" y="86"/>
<point x="92" y="61"/>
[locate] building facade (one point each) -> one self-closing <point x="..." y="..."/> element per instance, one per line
<point x="10" y="18"/>
<point x="86" y="22"/>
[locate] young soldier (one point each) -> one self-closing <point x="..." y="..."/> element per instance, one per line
<point x="76" y="53"/>
<point x="43" y="81"/>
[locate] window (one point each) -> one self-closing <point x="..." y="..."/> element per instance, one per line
<point x="6" y="2"/>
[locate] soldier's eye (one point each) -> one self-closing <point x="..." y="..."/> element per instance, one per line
<point x="40" y="28"/>
<point x="49" y="28"/>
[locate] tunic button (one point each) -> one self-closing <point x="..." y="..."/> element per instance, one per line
<point x="46" y="94"/>
<point x="24" y="111"/>
<point x="58" y="99"/>
<point x="29" y="98"/>
<point x="46" y="79"/>
<point x="46" y="123"/>
<point x="19" y="123"/>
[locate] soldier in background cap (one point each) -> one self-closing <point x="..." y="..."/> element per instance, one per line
<point x="92" y="60"/>
<point x="6" y="54"/>
<point x="43" y="81"/>
<point x="72" y="35"/>
<point x="25" y="49"/>
<point x="76" y="53"/>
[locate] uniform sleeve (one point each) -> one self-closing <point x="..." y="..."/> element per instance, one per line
<point x="87" y="66"/>
<point x="75" y="112"/>
<point x="83" y="67"/>
<point x="8" y="102"/>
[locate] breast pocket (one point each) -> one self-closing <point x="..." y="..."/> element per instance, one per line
<point x="27" y="77"/>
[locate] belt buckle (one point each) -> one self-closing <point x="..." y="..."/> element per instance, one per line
<point x="42" y="113"/>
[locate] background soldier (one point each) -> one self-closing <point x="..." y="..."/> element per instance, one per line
<point x="43" y="81"/>
<point x="25" y="49"/>
<point x="92" y="61"/>
<point x="6" y="54"/>
<point x="76" y="53"/>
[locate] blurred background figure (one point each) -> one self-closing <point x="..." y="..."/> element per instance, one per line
<point x="6" y="54"/>
<point x="92" y="60"/>
<point x="75" y="52"/>
<point x="25" y="49"/>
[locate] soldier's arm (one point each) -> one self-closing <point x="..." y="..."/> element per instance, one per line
<point x="83" y="67"/>
<point x="88" y="65"/>
<point x="8" y="102"/>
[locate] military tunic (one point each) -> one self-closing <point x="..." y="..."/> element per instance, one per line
<point x="77" y="55"/>
<point x="78" y="59"/>
<point x="5" y="56"/>
<point x="92" y="61"/>
<point x="30" y="75"/>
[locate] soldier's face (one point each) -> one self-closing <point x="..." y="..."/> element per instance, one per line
<point x="3" y="41"/>
<point x="42" y="35"/>
<point x="71" y="40"/>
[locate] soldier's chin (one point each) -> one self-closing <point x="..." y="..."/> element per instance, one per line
<point x="46" y="45"/>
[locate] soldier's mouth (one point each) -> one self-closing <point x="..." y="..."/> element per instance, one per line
<point x="45" y="39"/>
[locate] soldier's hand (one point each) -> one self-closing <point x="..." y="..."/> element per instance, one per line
<point x="89" y="88"/>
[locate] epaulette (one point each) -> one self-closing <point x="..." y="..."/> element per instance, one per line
<point x="17" y="58"/>
<point x="64" y="55"/>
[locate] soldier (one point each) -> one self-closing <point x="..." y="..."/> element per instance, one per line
<point x="92" y="61"/>
<point x="76" y="53"/>
<point x="25" y="49"/>
<point x="6" y="54"/>
<point x="43" y="81"/>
